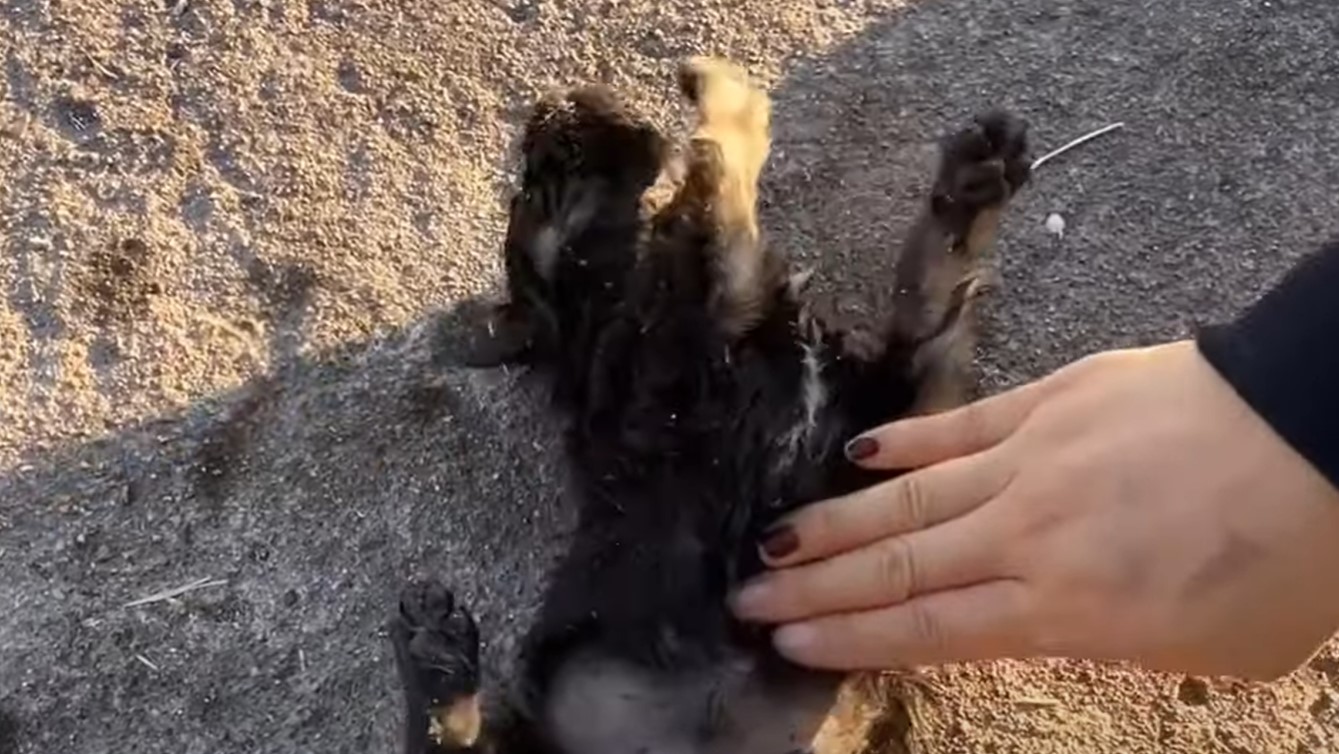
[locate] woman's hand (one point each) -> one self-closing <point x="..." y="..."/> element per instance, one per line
<point x="1128" y="507"/>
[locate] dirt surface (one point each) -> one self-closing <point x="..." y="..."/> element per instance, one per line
<point x="235" y="230"/>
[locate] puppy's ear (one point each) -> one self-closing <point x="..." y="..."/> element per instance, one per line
<point x="506" y="336"/>
<point x="483" y="335"/>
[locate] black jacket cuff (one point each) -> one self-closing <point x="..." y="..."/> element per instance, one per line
<point x="1282" y="357"/>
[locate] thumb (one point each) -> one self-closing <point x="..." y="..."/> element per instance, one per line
<point x="925" y="440"/>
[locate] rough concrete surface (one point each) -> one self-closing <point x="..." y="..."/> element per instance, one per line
<point x="234" y="231"/>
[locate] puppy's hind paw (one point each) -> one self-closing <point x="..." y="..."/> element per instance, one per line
<point x="982" y="167"/>
<point x="437" y="650"/>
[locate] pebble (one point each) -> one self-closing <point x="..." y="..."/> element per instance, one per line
<point x="1055" y="224"/>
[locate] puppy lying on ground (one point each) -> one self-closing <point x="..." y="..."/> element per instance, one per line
<point x="703" y="401"/>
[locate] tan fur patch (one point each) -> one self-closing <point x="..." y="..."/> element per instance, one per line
<point x="734" y="118"/>
<point x="456" y="724"/>
<point x="981" y="234"/>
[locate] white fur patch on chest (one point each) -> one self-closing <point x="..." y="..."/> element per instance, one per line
<point x="812" y="398"/>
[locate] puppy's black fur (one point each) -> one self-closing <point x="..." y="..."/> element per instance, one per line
<point x="703" y="402"/>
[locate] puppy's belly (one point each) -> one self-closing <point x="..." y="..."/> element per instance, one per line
<point x="600" y="705"/>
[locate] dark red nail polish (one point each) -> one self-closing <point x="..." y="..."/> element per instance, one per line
<point x="780" y="541"/>
<point x="861" y="448"/>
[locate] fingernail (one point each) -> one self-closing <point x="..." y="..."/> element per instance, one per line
<point x="747" y="600"/>
<point x="861" y="448"/>
<point x="795" y="639"/>
<point x="780" y="541"/>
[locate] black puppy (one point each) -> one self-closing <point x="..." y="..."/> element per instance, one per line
<point x="703" y="401"/>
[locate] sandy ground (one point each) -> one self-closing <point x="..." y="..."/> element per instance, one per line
<point x="234" y="231"/>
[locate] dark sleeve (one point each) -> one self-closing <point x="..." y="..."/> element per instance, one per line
<point x="1282" y="357"/>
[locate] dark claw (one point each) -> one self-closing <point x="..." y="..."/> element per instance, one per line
<point x="1006" y="133"/>
<point x="424" y="604"/>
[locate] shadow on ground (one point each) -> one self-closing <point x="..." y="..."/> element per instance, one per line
<point x="313" y="491"/>
<point x="307" y="496"/>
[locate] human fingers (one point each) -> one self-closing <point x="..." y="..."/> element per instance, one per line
<point x="924" y="440"/>
<point x="980" y="622"/>
<point x="887" y="572"/>
<point x="911" y="502"/>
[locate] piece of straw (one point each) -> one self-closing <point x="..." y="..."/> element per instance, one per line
<point x="1081" y="140"/>
<point x="168" y="594"/>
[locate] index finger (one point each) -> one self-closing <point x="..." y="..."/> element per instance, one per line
<point x="912" y="502"/>
<point x="924" y="440"/>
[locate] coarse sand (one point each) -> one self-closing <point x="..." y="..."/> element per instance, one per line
<point x="238" y="234"/>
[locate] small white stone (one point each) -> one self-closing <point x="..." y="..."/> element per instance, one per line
<point x="1055" y="224"/>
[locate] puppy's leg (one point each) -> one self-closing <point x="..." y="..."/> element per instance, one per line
<point x="726" y="155"/>
<point x="940" y="271"/>
<point x="437" y="652"/>
<point x="574" y="224"/>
